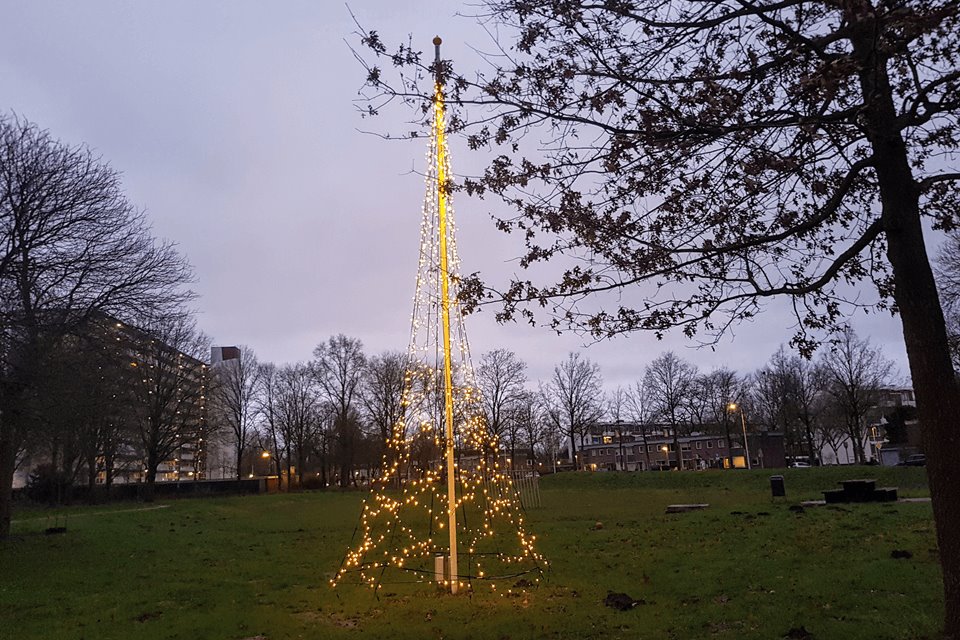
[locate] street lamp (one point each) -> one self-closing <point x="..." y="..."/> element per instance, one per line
<point x="622" y="466"/>
<point x="743" y="423"/>
<point x="265" y="455"/>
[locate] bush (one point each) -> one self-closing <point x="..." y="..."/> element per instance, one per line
<point x="312" y="482"/>
<point x="49" y="485"/>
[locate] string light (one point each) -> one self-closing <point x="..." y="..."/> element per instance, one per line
<point x="404" y="521"/>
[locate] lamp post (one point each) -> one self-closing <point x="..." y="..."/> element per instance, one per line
<point x="265" y="455"/>
<point x="622" y="466"/>
<point x="743" y="423"/>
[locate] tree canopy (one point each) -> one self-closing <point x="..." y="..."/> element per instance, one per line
<point x="722" y="152"/>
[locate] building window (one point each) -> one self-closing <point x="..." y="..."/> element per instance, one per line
<point x="607" y="439"/>
<point x="719" y="444"/>
<point x="709" y="444"/>
<point x="699" y="445"/>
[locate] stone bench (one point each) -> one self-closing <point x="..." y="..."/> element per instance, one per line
<point x="860" y="490"/>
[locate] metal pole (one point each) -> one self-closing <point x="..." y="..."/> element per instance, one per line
<point x="445" y="308"/>
<point x="746" y="445"/>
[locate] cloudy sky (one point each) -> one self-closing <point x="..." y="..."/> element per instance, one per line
<point x="235" y="127"/>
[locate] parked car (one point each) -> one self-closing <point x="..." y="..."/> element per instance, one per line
<point x="916" y="460"/>
<point x="799" y="464"/>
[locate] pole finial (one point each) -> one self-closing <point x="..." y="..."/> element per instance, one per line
<point x="436" y="45"/>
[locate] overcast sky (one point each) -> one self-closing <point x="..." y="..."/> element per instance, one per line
<point x="235" y="127"/>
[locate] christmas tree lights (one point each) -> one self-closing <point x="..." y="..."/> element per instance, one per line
<point x="444" y="507"/>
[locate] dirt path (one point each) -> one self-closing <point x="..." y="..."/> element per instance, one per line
<point x="81" y="514"/>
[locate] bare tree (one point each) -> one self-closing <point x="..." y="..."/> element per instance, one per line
<point x="774" y="397"/>
<point x="643" y="412"/>
<point x="810" y="382"/>
<point x="501" y="377"/>
<point x="339" y="365"/>
<point x="170" y="382"/>
<point x="528" y="419"/>
<point x="831" y="428"/>
<point x="670" y="380"/>
<point x="723" y="388"/>
<point x="616" y="410"/>
<point x="268" y="411"/>
<point x="696" y="406"/>
<point x="72" y="247"/>
<point x="233" y="400"/>
<point x="82" y="403"/>
<point x="381" y="394"/>
<point x="574" y="399"/>
<point x="857" y="372"/>
<point x="298" y="416"/>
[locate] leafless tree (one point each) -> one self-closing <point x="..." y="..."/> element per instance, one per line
<point x="574" y="399"/>
<point x="642" y="411"/>
<point x="831" y="429"/>
<point x="234" y="401"/>
<point x="616" y="411"/>
<point x="382" y="391"/>
<point x="269" y="412"/>
<point x="857" y="371"/>
<point x="339" y="365"/>
<point x="528" y="421"/>
<point x="723" y="388"/>
<point x="82" y="403"/>
<point x="170" y="383"/>
<point x="696" y="406"/>
<point x="501" y="377"/>
<point x="810" y="383"/>
<point x="670" y="380"/>
<point x="72" y="247"/>
<point x="774" y="399"/>
<point x="298" y="416"/>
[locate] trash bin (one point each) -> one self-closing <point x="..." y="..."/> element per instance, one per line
<point x="777" y="487"/>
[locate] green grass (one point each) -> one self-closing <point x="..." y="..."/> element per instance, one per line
<point x="236" y="568"/>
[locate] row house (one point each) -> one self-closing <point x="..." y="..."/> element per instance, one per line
<point x="623" y="447"/>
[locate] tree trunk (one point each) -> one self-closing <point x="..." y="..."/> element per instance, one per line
<point x="91" y="477"/>
<point x="915" y="292"/>
<point x="677" y="451"/>
<point x="7" y="469"/>
<point x="812" y="459"/>
<point x="279" y="466"/>
<point x="151" y="479"/>
<point x="239" y="452"/>
<point x="573" y="450"/>
<point x="107" y="471"/>
<point x="938" y="397"/>
<point x="646" y="449"/>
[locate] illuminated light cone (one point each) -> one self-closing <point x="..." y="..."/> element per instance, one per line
<point x="444" y="507"/>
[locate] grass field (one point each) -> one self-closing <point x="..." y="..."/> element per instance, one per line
<point x="236" y="568"/>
